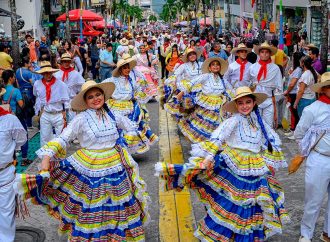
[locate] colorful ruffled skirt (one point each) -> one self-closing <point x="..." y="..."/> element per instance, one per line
<point x="150" y="83"/>
<point x="98" y="195"/>
<point x="198" y="115"/>
<point x="144" y="137"/>
<point x="240" y="208"/>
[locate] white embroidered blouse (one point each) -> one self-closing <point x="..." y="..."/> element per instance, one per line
<point x="124" y="90"/>
<point x="74" y="81"/>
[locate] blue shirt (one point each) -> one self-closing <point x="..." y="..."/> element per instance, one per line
<point x="106" y="56"/>
<point x="222" y="54"/>
<point x="24" y="79"/>
<point x="15" y="97"/>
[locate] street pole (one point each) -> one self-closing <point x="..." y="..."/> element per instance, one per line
<point x="325" y="34"/>
<point x="67" y="21"/>
<point x="281" y="26"/>
<point x="260" y="12"/>
<point x="229" y="16"/>
<point x="214" y="22"/>
<point x="14" y="34"/>
<point x="106" y="17"/>
<point x="81" y="22"/>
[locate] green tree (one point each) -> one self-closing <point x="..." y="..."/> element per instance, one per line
<point x="152" y="18"/>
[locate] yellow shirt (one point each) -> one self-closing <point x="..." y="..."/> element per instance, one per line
<point x="279" y="57"/>
<point x="5" y="61"/>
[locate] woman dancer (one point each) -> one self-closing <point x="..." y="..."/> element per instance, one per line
<point x="198" y="118"/>
<point x="128" y="100"/>
<point x="146" y="63"/>
<point x="232" y="174"/>
<point x="96" y="193"/>
<point x="183" y="74"/>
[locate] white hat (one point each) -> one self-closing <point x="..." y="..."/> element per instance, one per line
<point x="45" y="66"/>
<point x="123" y="42"/>
<point x="266" y="46"/>
<point x="242" y="92"/>
<point x="126" y="59"/>
<point x="187" y="52"/>
<point x="78" y="102"/>
<point x="240" y="47"/>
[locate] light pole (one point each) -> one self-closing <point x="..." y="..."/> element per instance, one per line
<point x="14" y="33"/>
<point x="325" y="34"/>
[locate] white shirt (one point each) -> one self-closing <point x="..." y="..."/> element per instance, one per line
<point x="124" y="90"/>
<point x="295" y="74"/>
<point x="59" y="97"/>
<point x="78" y="65"/>
<point x="236" y="132"/>
<point x="307" y="78"/>
<point x="315" y="118"/>
<point x="232" y="75"/>
<point x="187" y="71"/>
<point x="12" y="137"/>
<point x="74" y="81"/>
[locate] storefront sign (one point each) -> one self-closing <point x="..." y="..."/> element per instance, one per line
<point x="272" y="27"/>
<point x="316" y="3"/>
<point x="247" y="15"/>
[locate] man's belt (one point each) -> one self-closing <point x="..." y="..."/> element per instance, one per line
<point x="55" y="112"/>
<point x="9" y="164"/>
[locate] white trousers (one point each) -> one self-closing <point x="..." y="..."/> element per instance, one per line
<point x="317" y="185"/>
<point x="48" y="122"/>
<point x="7" y="205"/>
<point x="267" y="114"/>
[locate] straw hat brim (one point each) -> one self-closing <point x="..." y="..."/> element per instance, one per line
<point x="272" y="49"/>
<point x="231" y="106"/>
<point x="224" y="65"/>
<point x="78" y="103"/>
<point x="130" y="61"/>
<point x="46" y="69"/>
<point x="123" y="43"/>
<point x="185" y="56"/>
<point x="2" y="92"/>
<point x="317" y="86"/>
<point x="235" y="50"/>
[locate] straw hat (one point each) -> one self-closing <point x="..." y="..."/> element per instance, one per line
<point x="138" y="36"/>
<point x="154" y="38"/>
<point x="126" y="59"/>
<point x="66" y="57"/>
<point x="266" y="46"/>
<point x="178" y="33"/>
<point x="207" y="62"/>
<point x="187" y="52"/>
<point x="242" y="92"/>
<point x="123" y="42"/>
<point x="241" y="47"/>
<point x="3" y="91"/>
<point x="45" y="66"/>
<point x="311" y="46"/>
<point x="325" y="81"/>
<point x="78" y="102"/>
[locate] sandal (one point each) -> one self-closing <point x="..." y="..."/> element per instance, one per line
<point x="26" y="162"/>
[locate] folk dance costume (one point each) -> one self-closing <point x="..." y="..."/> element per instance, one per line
<point x="238" y="71"/>
<point x="267" y="78"/>
<point x="149" y="72"/>
<point x="244" y="201"/>
<point x="12" y="137"/>
<point x="208" y="92"/>
<point x="72" y="78"/>
<point x="97" y="192"/>
<point x="182" y="76"/>
<point x="313" y="134"/>
<point x="128" y="100"/>
<point x="52" y="101"/>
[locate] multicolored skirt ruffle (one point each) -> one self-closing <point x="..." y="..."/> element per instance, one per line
<point x="239" y="207"/>
<point x="143" y="138"/>
<point x="198" y="115"/>
<point x="98" y="195"/>
<point x="149" y="84"/>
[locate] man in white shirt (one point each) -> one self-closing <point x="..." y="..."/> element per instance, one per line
<point x="266" y="77"/>
<point x="52" y="101"/>
<point x="12" y="137"/>
<point x="313" y="135"/>
<point x="238" y="71"/>
<point x="122" y="48"/>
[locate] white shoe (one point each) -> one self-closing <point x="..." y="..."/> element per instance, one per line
<point x="290" y="133"/>
<point x="291" y="137"/>
<point x="75" y="141"/>
<point x="303" y="239"/>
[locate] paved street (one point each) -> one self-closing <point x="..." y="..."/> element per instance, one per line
<point x="178" y="218"/>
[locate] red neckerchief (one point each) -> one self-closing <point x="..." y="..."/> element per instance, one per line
<point x="66" y="72"/>
<point x="263" y="68"/>
<point x="242" y="63"/>
<point x="324" y="99"/>
<point x="165" y="47"/>
<point x="48" y="86"/>
<point x="3" y="112"/>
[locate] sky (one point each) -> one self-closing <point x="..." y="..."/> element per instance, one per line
<point x="157" y="5"/>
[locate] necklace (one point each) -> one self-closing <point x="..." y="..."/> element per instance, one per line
<point x="251" y="123"/>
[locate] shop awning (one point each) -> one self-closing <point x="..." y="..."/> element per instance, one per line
<point x="5" y="13"/>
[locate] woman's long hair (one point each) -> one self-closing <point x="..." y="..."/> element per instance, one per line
<point x="307" y="62"/>
<point x="296" y="59"/>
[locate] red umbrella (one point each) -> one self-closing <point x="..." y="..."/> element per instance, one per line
<point x="90" y="31"/>
<point x="74" y="15"/>
<point x="202" y="22"/>
<point x="100" y="24"/>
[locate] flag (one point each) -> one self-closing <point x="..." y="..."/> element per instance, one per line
<point x="252" y="3"/>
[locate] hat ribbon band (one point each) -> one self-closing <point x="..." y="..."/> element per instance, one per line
<point x="46" y="66"/>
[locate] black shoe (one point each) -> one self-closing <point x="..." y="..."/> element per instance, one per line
<point x="26" y="162"/>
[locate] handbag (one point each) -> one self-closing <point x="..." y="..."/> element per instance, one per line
<point x="297" y="160"/>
